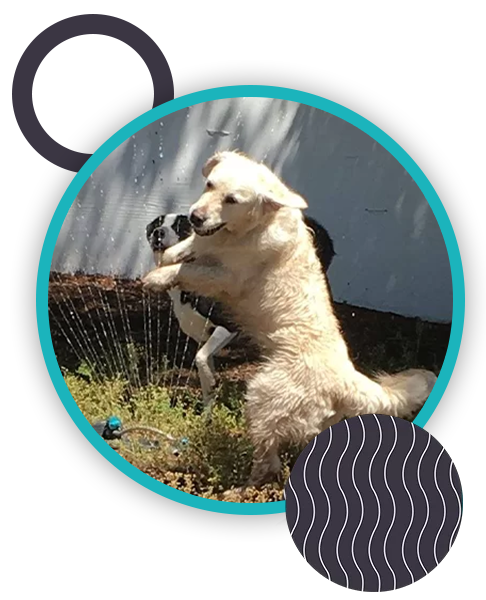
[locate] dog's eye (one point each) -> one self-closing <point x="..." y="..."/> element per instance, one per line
<point x="209" y="185"/>
<point x="230" y="199"/>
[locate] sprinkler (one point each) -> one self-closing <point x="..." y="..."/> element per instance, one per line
<point x="111" y="429"/>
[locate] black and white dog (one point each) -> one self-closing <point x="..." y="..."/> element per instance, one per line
<point x="199" y="318"/>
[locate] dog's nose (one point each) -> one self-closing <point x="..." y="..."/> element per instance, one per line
<point x="196" y="218"/>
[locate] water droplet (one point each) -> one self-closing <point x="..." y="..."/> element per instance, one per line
<point x="161" y="155"/>
<point x="136" y="179"/>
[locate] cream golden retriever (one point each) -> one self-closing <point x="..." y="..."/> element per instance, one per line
<point x="252" y="251"/>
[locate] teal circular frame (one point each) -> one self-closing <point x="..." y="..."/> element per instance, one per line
<point x="259" y="91"/>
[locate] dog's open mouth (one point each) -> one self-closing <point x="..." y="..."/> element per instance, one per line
<point x="158" y="247"/>
<point x="205" y="232"/>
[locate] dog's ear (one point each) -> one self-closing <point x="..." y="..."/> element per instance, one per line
<point x="219" y="157"/>
<point x="274" y="201"/>
<point x="211" y="163"/>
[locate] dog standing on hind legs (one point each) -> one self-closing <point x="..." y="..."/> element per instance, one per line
<point x="200" y="318"/>
<point x="252" y="251"/>
<point x="194" y="314"/>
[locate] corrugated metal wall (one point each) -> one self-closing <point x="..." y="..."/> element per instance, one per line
<point x="390" y="252"/>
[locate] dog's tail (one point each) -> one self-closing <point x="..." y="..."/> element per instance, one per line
<point x="399" y="395"/>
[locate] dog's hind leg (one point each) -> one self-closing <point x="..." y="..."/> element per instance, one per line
<point x="283" y="408"/>
<point x="220" y="338"/>
<point x="266" y="463"/>
<point x="267" y="414"/>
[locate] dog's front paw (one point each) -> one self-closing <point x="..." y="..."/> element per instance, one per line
<point x="161" y="279"/>
<point x="176" y="254"/>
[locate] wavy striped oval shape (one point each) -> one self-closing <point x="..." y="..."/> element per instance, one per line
<point x="374" y="503"/>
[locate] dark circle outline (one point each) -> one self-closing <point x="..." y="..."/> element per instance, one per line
<point x="32" y="129"/>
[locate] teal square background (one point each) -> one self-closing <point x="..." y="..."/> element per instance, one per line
<point x="437" y="107"/>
